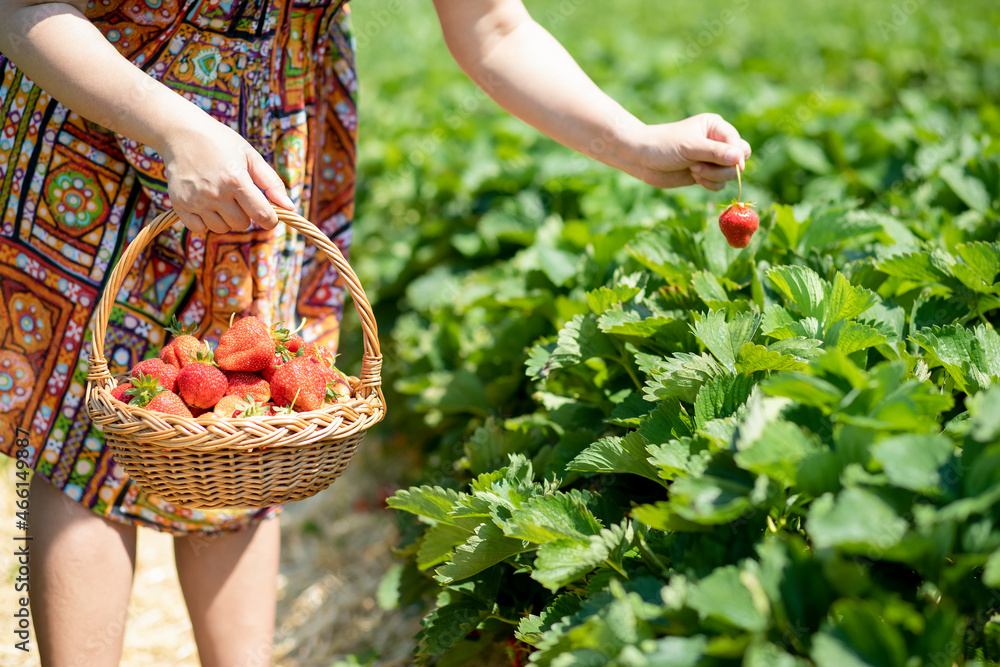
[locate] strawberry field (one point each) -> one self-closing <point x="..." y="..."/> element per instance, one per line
<point x="637" y="446"/>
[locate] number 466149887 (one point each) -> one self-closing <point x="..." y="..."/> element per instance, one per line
<point x="21" y="457"/>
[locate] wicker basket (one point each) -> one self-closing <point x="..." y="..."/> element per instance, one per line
<point x="249" y="462"/>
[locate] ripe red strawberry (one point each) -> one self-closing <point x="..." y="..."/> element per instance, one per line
<point x="119" y="392"/>
<point x="247" y="346"/>
<point x="301" y="383"/>
<point x="268" y="371"/>
<point x="242" y="383"/>
<point x="169" y="403"/>
<point x="319" y="351"/>
<point x="338" y="390"/>
<point x="738" y="223"/>
<point x="228" y="406"/>
<point x="201" y="385"/>
<point x="179" y="350"/>
<point x="165" y="373"/>
<point x="294" y="343"/>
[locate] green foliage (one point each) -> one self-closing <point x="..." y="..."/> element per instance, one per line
<point x="640" y="446"/>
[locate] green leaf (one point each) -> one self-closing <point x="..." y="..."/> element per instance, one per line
<point x="777" y="452"/>
<point x="579" y="340"/>
<point x="539" y="362"/>
<point x="787" y="229"/>
<point x="669" y="421"/>
<point x="971" y="357"/>
<point x="655" y="250"/>
<point x="635" y="321"/>
<point x="616" y="455"/>
<point x="914" y="461"/>
<point x="984" y="409"/>
<point x="864" y="633"/>
<point x="829" y="651"/>
<point x="677" y="651"/>
<point x="802" y="287"/>
<point x="427" y="502"/>
<point x="708" y="288"/>
<point x="446" y="625"/>
<point x="438" y="542"/>
<point x="803" y="388"/>
<point x="489" y="446"/>
<point x="531" y="627"/>
<point x="722" y="596"/>
<point x="849" y="337"/>
<point x="753" y="358"/>
<point x="564" y="561"/>
<point x="857" y="521"/>
<point x="553" y="517"/>
<point x="800" y="347"/>
<point x="846" y="301"/>
<point x="681" y="376"/>
<point x="603" y="298"/>
<point x="487" y="547"/>
<point x="710" y="499"/>
<point x="929" y="267"/>
<point x="808" y="154"/>
<point x="991" y="572"/>
<point x="982" y="257"/>
<point x="838" y="226"/>
<point x="721" y="397"/>
<point x="675" y="457"/>
<point x="724" y="339"/>
<point x="969" y="189"/>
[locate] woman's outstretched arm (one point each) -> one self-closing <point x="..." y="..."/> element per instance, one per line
<point x="214" y="176"/>
<point x="528" y="73"/>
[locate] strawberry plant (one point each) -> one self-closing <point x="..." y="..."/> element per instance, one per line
<point x="642" y="446"/>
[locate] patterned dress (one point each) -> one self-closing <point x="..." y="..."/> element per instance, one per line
<point x="73" y="194"/>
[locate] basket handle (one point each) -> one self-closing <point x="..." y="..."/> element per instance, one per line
<point x="371" y="363"/>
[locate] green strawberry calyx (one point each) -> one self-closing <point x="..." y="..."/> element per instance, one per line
<point x="144" y="388"/>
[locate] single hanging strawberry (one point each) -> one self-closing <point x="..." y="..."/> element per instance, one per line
<point x="739" y="222"/>
<point x="179" y="351"/>
<point x="247" y="346"/>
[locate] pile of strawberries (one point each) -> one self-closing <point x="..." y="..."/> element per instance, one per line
<point x="255" y="370"/>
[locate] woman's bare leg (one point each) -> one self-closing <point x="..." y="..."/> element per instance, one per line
<point x="81" y="568"/>
<point x="230" y="586"/>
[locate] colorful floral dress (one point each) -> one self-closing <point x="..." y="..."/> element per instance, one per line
<point x="73" y="194"/>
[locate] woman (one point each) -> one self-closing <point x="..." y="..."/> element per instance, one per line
<point x="265" y="113"/>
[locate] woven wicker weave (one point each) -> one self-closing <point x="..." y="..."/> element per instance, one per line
<point x="248" y="462"/>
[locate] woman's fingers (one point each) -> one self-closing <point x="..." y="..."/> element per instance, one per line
<point x="268" y="180"/>
<point x="704" y="171"/>
<point x="255" y="206"/>
<point x="668" y="179"/>
<point x="214" y="222"/>
<point x="234" y="215"/>
<point x="192" y="221"/>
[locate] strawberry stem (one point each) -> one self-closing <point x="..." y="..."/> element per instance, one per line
<point x="739" y="197"/>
